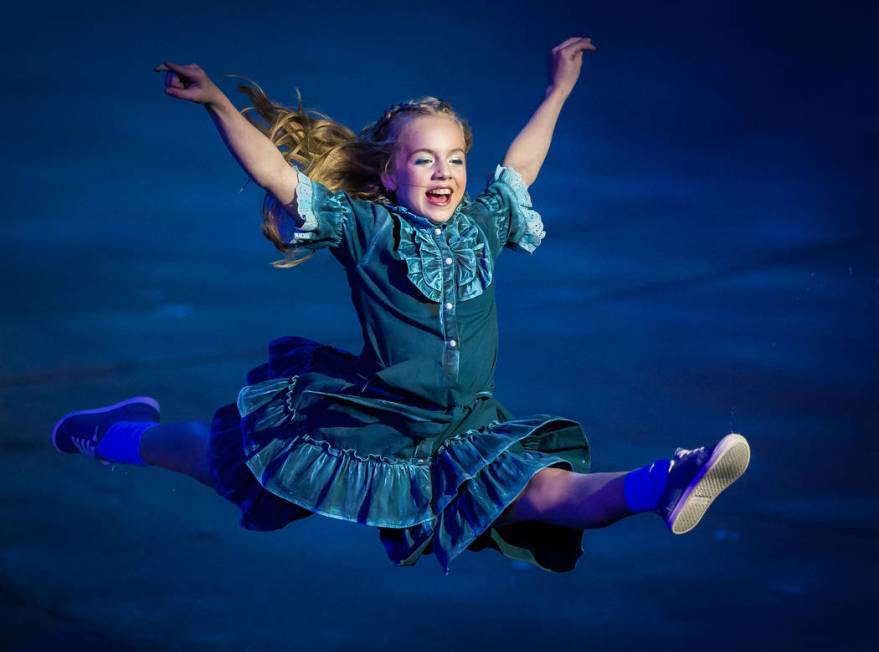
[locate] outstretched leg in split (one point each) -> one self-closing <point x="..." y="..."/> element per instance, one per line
<point x="129" y="432"/>
<point x="181" y="446"/>
<point x="577" y="500"/>
<point x="680" y="490"/>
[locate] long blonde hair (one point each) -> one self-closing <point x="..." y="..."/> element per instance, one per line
<point x="332" y="154"/>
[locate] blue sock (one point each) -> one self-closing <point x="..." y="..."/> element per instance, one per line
<point x="643" y="487"/>
<point x="121" y="443"/>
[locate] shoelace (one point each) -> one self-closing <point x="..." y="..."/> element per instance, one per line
<point x="681" y="453"/>
<point x="87" y="446"/>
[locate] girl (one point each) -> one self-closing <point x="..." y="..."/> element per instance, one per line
<point x="407" y="436"/>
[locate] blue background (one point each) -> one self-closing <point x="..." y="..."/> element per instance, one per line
<point x="710" y="265"/>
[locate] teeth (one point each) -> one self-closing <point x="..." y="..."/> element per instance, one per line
<point x="440" y="191"/>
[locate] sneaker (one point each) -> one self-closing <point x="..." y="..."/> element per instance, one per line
<point x="696" y="478"/>
<point x="80" y="431"/>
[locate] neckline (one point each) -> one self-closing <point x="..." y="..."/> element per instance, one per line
<point x="426" y="222"/>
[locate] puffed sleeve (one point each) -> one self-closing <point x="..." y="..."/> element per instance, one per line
<point x="324" y="218"/>
<point x="504" y="212"/>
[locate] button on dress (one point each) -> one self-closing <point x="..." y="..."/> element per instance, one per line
<point x="407" y="436"/>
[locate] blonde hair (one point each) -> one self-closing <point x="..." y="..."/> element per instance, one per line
<point x="332" y="154"/>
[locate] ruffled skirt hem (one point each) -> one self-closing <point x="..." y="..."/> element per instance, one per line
<point x="442" y="504"/>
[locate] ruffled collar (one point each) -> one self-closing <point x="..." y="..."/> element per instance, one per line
<point x="420" y="247"/>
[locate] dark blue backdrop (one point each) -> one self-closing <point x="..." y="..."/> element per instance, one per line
<point x="710" y="264"/>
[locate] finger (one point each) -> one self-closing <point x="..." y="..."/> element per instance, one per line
<point x="180" y="93"/>
<point x="161" y="68"/>
<point x="176" y="67"/>
<point x="173" y="80"/>
<point x="571" y="42"/>
<point x="575" y="51"/>
<point x="565" y="43"/>
<point x="580" y="48"/>
<point x="577" y="42"/>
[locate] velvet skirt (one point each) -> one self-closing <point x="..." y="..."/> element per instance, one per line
<point x="310" y="434"/>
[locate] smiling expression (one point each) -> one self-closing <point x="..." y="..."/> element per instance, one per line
<point x="428" y="170"/>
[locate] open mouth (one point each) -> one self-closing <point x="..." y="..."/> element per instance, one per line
<point x="439" y="196"/>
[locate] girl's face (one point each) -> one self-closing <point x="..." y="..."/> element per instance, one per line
<point x="429" y="167"/>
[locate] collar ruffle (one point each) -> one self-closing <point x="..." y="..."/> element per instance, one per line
<point x="425" y="258"/>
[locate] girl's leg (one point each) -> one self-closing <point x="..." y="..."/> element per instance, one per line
<point x="577" y="500"/>
<point x="180" y="446"/>
<point x="129" y="432"/>
<point x="679" y="490"/>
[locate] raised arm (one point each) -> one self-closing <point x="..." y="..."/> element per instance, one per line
<point x="528" y="151"/>
<point x="256" y="153"/>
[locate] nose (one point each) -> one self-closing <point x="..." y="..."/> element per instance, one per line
<point x="442" y="170"/>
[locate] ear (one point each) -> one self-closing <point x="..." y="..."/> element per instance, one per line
<point x="387" y="182"/>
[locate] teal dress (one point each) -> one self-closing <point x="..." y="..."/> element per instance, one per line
<point x="407" y="436"/>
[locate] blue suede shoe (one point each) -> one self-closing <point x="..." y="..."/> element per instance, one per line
<point x="80" y="431"/>
<point x="696" y="477"/>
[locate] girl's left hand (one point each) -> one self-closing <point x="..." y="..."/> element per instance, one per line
<point x="565" y="62"/>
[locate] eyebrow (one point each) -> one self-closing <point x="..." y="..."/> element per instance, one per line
<point x="430" y="151"/>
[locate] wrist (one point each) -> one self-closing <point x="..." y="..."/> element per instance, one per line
<point x="559" y="91"/>
<point x="220" y="104"/>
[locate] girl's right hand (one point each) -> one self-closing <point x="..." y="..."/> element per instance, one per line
<point x="189" y="83"/>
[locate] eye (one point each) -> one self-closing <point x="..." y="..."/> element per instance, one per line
<point x="422" y="160"/>
<point x="457" y="161"/>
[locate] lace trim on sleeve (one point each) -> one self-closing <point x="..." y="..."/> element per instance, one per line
<point x="305" y="202"/>
<point x="300" y="221"/>
<point x="530" y="236"/>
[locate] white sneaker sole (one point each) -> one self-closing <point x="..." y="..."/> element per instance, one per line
<point x="727" y="463"/>
<point x="136" y="399"/>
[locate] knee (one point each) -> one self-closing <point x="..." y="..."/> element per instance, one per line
<point x="544" y="490"/>
<point x="548" y="482"/>
<point x="538" y="496"/>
